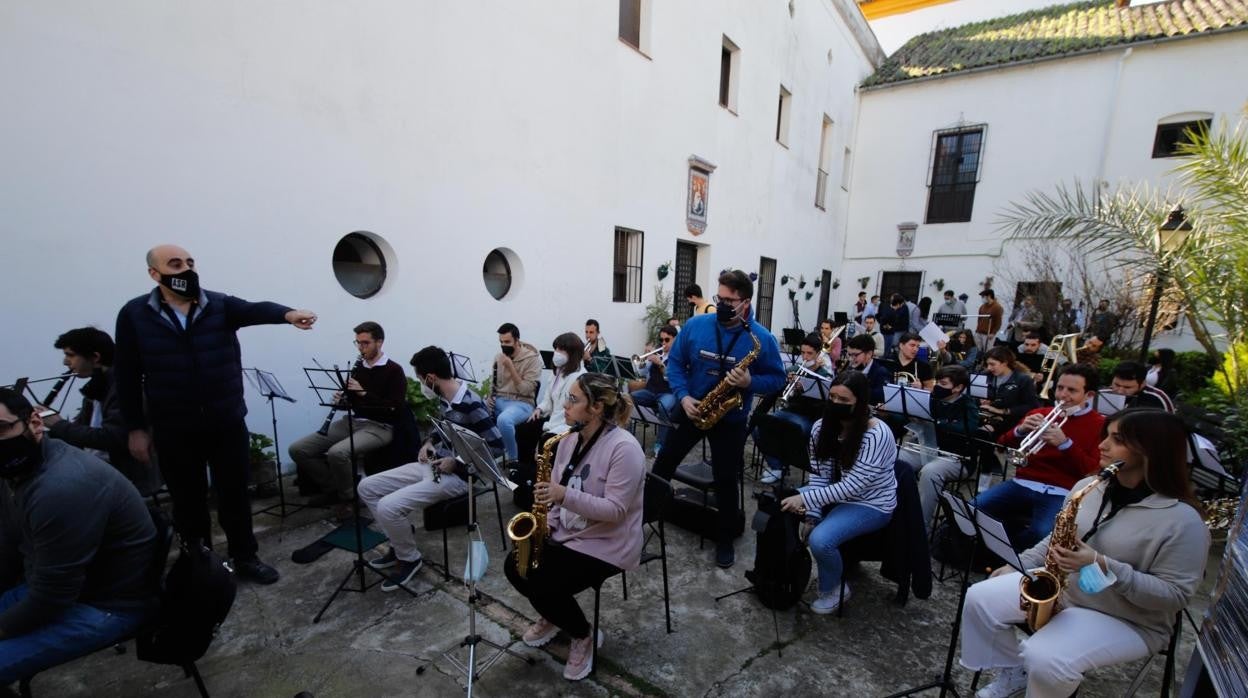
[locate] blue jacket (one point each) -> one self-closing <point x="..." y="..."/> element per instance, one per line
<point x="189" y="378"/>
<point x="878" y="375"/>
<point x="693" y="366"/>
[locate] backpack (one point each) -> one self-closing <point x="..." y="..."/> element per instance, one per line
<point x="781" y="561"/>
<point x="195" y="599"/>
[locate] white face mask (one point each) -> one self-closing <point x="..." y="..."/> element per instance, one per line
<point x="559" y="359"/>
<point x="428" y="392"/>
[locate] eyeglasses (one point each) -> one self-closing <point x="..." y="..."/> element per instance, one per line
<point x="363" y="342"/>
<point x="665" y="339"/>
<point x="853" y="354"/>
<point x="720" y="299"/>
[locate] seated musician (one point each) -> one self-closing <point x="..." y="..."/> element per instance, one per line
<point x="653" y="390"/>
<point x="871" y="328"/>
<point x="1031" y="354"/>
<point x="853" y="490"/>
<point x="77" y="546"/>
<point x="861" y="355"/>
<point x="832" y="353"/>
<point x="1027" y="503"/>
<point x="707" y="354"/>
<point x="1090" y="352"/>
<point x="1126" y="576"/>
<point x="963" y="350"/>
<point x="99" y="427"/>
<point x="954" y="411"/>
<point x="1011" y="391"/>
<point x="566" y="358"/>
<point x="596" y="352"/>
<point x="908" y="362"/>
<point x="594" y="499"/>
<point x="393" y="496"/>
<point x="1130" y="380"/>
<point x="376" y="387"/>
<point x="801" y="410"/>
<point x="513" y="390"/>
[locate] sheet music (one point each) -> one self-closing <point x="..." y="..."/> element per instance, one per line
<point x="933" y="335"/>
<point x="918" y="402"/>
<point x="979" y="385"/>
<point x="893" y="398"/>
<point x="1108" y="403"/>
<point x="266" y="384"/>
<point x="962" y="515"/>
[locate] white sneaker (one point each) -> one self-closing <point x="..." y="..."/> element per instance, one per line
<point x="828" y="602"/>
<point x="770" y="477"/>
<point x="1009" y="682"/>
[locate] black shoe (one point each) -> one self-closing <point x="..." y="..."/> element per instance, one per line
<point x="390" y="559"/>
<point x="401" y="576"/>
<point x="725" y="555"/>
<point x="256" y="571"/>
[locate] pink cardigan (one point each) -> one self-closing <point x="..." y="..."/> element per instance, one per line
<point x="610" y="501"/>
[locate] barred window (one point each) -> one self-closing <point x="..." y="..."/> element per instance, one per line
<point x="766" y="291"/>
<point x="956" y="157"/>
<point x="626" y="285"/>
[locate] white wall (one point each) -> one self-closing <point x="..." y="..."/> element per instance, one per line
<point x="256" y="134"/>
<point x="1047" y="123"/>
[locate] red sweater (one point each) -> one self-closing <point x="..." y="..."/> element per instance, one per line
<point x="1052" y="466"/>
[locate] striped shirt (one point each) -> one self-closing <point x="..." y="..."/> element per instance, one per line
<point x="468" y="410"/>
<point x="870" y="482"/>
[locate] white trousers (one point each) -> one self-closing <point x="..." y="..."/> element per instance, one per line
<point x="1074" y="641"/>
<point x="392" y="496"/>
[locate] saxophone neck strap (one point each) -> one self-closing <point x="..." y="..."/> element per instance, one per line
<point x="581" y="450"/>
<point x="719" y="344"/>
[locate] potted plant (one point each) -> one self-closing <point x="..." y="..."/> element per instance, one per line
<point x="263" y="472"/>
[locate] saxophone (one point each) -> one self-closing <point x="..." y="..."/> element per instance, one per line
<point x="724" y="398"/>
<point x="527" y="530"/>
<point x="1037" y="598"/>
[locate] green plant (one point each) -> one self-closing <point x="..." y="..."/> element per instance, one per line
<point x="657" y="313"/>
<point x="260" y="449"/>
<point x="1192" y="371"/>
<point x="423" y="408"/>
<point x="483" y="388"/>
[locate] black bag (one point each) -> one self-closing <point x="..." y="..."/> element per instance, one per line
<point x="195" y="599"/>
<point x="781" y="561"/>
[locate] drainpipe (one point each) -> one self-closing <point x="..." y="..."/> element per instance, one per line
<point x="1099" y="181"/>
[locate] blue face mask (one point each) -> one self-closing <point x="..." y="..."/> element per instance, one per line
<point x="1093" y="581"/>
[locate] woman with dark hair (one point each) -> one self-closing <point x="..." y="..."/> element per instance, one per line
<point x="925" y="308"/>
<point x="1139" y="556"/>
<point x="853" y="490"/>
<point x="594" y="501"/>
<point x="1161" y="372"/>
<point x="962" y="346"/>
<point x="1011" y="391"/>
<point x="568" y="352"/>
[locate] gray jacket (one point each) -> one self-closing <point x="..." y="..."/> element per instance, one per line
<point x="1157" y="550"/>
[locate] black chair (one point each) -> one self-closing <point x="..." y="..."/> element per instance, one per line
<point x="454" y="512"/>
<point x="784" y="441"/>
<point x="164" y="543"/>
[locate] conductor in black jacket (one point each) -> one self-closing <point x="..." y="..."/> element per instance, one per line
<point x="179" y="376"/>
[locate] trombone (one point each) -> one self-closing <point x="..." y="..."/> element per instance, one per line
<point x="827" y="343"/>
<point x="639" y="359"/>
<point x="1061" y="350"/>
<point x="794" y="379"/>
<point x="1034" y="441"/>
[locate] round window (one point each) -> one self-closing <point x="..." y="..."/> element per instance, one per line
<point x="497" y="274"/>
<point x="359" y="265"/>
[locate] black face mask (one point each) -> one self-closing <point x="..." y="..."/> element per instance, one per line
<point x="509" y="350"/>
<point x="19" y="455"/>
<point x="725" y="313"/>
<point x="940" y="393"/>
<point x="185" y="284"/>
<point x="837" y="412"/>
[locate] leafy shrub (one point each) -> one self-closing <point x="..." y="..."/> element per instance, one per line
<point x="423" y="408"/>
<point x="1192" y="371"/>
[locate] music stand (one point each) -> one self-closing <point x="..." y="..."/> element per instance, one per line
<point x="358" y="565"/>
<point x="27" y="385"/>
<point x="270" y="388"/>
<point x="473" y="452"/>
<point x="618" y="367"/>
<point x="548" y="359"/>
<point x="793" y="338"/>
<point x="1109" y="403"/>
<point x="461" y="368"/>
<point x="981" y="528"/>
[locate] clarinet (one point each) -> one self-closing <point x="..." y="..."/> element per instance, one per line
<point x="57" y="387"/>
<point x="329" y="418"/>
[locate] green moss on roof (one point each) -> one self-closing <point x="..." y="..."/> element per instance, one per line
<point x="1054" y="31"/>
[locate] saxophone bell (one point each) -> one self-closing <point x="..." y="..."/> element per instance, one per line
<point x="527" y="530"/>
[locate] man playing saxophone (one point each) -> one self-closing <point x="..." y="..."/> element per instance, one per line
<point x="592" y="498"/>
<point x="1133" y="557"/>
<point x="707" y="358"/>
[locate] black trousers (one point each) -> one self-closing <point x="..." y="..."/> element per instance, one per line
<point x="183" y="455"/>
<point x="727" y="441"/>
<point x="552" y="587"/>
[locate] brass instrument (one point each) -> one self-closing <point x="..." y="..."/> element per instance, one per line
<point x="794" y="380"/>
<point x="527" y="530"/>
<point x="1220" y="513"/>
<point x="638" y="360"/>
<point x="724" y="398"/>
<point x="1037" y="598"/>
<point x="1053" y="357"/>
<point x="906" y="378"/>
<point x="1034" y="441"/>
<point x="827" y="343"/>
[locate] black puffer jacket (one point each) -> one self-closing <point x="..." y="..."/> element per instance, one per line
<point x="190" y="378"/>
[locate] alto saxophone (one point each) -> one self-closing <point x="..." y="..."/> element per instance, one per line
<point x="527" y="530"/>
<point x="724" y="398"/>
<point x="1037" y="598"/>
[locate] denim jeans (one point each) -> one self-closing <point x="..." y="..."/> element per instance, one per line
<point x="664" y="402"/>
<point x="806" y="423"/>
<point x="842" y="523"/>
<point x="1028" y="515"/>
<point x="80" y="630"/>
<point x="507" y="414"/>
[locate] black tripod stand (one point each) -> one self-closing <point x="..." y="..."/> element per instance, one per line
<point x="270" y="388"/>
<point x="358" y="565"/>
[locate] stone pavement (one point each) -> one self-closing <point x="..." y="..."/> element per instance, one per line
<point x="379" y="644"/>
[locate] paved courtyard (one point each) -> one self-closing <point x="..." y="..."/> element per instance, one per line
<point x="379" y="644"/>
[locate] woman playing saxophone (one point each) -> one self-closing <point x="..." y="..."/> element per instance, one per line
<point x="594" y="501"/>
<point x="1134" y="559"/>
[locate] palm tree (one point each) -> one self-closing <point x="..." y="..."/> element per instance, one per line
<point x="1207" y="273"/>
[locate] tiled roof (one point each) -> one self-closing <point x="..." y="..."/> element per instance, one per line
<point x="1060" y="30"/>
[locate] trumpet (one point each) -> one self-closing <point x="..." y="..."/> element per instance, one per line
<point x="1034" y="441"/>
<point x="794" y="380"/>
<point x="639" y="359"/>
